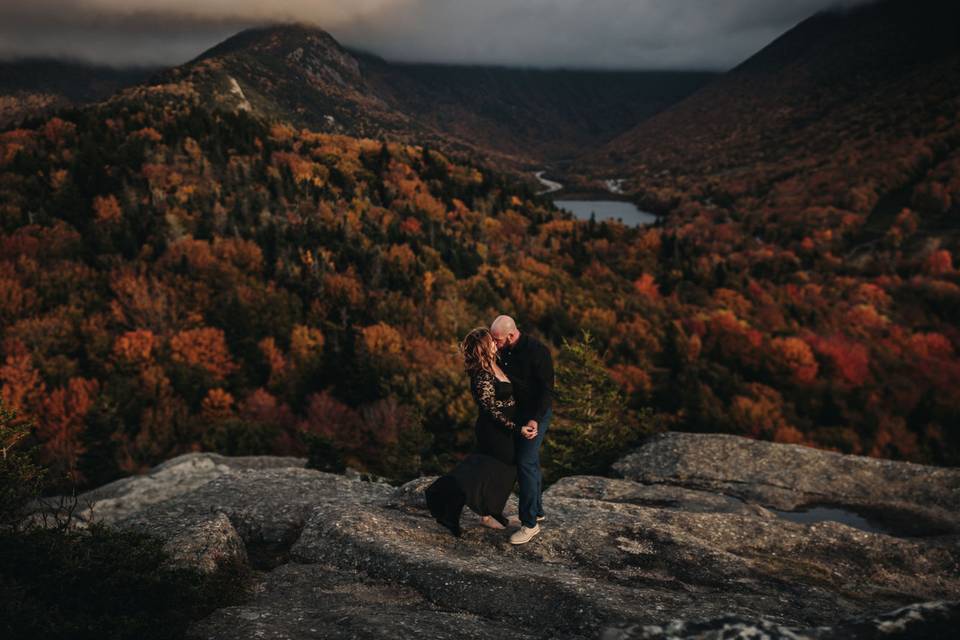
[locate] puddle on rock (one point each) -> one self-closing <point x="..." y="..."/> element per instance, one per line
<point x="811" y="515"/>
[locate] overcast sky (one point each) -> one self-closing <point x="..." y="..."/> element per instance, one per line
<point x="623" y="34"/>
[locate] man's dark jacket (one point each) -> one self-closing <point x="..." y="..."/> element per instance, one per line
<point x="529" y="366"/>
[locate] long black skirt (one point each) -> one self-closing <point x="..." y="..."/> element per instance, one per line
<point x="480" y="482"/>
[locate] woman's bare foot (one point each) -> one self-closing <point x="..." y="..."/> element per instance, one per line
<point x="490" y="521"/>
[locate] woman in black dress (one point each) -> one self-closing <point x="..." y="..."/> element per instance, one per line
<point x="484" y="479"/>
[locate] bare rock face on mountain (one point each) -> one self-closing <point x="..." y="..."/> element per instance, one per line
<point x="339" y="557"/>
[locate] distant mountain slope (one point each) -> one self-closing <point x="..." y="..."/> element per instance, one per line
<point x="33" y="86"/>
<point x="302" y="74"/>
<point x="551" y="113"/>
<point x="850" y="109"/>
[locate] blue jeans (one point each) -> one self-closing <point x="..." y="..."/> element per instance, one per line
<point x="529" y="475"/>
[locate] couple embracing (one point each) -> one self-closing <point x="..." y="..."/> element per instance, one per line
<point x="511" y="378"/>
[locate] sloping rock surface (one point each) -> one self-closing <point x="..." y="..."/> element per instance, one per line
<point x="344" y="558"/>
<point x="910" y="499"/>
<point x="166" y="481"/>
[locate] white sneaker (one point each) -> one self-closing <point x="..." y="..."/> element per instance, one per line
<point x="524" y="534"/>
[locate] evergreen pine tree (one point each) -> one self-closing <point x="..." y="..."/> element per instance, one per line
<point x="20" y="478"/>
<point x="590" y="428"/>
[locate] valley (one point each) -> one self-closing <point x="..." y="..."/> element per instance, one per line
<point x="238" y="252"/>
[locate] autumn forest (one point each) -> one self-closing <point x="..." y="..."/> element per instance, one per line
<point x="178" y="277"/>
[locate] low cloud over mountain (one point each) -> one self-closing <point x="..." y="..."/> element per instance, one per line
<point x="648" y="34"/>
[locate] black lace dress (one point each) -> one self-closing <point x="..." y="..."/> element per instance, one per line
<point x="484" y="479"/>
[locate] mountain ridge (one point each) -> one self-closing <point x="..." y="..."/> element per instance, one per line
<point x="33" y="86"/>
<point x="879" y="72"/>
<point x="521" y="116"/>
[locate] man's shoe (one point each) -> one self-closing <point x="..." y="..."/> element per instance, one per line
<point x="541" y="518"/>
<point x="524" y="534"/>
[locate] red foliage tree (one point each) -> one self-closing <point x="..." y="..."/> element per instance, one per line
<point x="61" y="426"/>
<point x="204" y="348"/>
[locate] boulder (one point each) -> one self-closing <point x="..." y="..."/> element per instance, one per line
<point x="204" y="543"/>
<point x="118" y="499"/>
<point x="904" y="498"/>
<point x="266" y="507"/>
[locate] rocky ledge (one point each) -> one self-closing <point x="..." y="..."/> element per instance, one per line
<point x="902" y="498"/>
<point x="691" y="543"/>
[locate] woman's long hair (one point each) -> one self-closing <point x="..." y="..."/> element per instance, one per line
<point x="476" y="351"/>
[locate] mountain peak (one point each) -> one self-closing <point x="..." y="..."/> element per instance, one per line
<point x="879" y="37"/>
<point x="301" y="46"/>
<point x="279" y="37"/>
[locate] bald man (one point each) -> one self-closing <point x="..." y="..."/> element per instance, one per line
<point x="529" y="365"/>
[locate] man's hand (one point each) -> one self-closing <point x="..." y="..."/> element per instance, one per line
<point x="529" y="430"/>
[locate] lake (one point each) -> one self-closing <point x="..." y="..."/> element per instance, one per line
<point x="626" y="212"/>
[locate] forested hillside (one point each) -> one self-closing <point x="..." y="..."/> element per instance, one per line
<point x="837" y="125"/>
<point x="813" y="192"/>
<point x="177" y="276"/>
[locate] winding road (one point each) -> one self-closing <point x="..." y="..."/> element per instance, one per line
<point x="550" y="185"/>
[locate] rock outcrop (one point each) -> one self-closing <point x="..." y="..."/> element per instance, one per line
<point x="908" y="499"/>
<point x="617" y="558"/>
<point x="932" y="620"/>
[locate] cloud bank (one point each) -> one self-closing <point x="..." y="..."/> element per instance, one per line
<point x="621" y="34"/>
